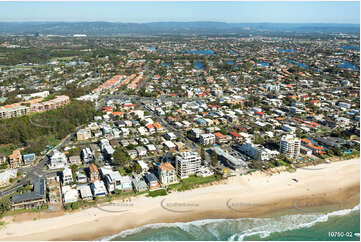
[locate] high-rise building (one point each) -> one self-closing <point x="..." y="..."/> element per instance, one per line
<point x="290" y="146"/>
<point x="187" y="163"/>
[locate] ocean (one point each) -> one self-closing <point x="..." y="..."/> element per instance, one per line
<point x="293" y="227"/>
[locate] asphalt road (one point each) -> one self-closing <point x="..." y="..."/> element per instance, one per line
<point x="37" y="170"/>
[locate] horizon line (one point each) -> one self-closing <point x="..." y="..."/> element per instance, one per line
<point x="196" y="21"/>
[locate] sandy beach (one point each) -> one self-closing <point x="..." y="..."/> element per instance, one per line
<point x="256" y="195"/>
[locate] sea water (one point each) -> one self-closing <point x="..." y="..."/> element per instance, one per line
<point x="293" y="227"/>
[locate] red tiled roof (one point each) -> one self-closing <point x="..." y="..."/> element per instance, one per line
<point x="219" y="135"/>
<point x="235" y="134"/>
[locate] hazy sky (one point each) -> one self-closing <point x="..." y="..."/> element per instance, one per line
<point x="281" y="12"/>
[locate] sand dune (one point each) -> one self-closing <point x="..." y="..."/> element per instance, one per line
<point x="256" y="195"/>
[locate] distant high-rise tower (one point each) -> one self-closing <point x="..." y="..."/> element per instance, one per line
<point x="290" y="146"/>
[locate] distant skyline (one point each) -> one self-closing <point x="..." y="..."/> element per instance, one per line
<point x="142" y="12"/>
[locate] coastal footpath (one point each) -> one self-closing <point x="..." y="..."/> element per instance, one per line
<point x="335" y="185"/>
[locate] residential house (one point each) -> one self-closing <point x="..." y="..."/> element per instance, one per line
<point x="98" y="189"/>
<point x="70" y="195"/>
<point x="143" y="165"/>
<point x="167" y="174"/>
<point x="93" y="173"/>
<point x="85" y="192"/>
<point x="74" y="160"/>
<point x="29" y="158"/>
<point x="235" y="136"/>
<point x="58" y="160"/>
<point x="112" y="181"/>
<point x="151" y="148"/>
<point x="81" y="178"/>
<point x="152" y="181"/>
<point x="132" y="154"/>
<point x="220" y="138"/>
<point x="159" y="128"/>
<point x="207" y="139"/>
<point x="170" y="136"/>
<point x="67" y="176"/>
<point x="139" y="184"/>
<point x="170" y="145"/>
<point x="141" y="151"/>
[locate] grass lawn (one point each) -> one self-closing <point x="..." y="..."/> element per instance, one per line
<point x="193" y="182"/>
<point x="283" y="163"/>
<point x="161" y="192"/>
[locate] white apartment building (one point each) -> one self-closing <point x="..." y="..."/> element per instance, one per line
<point x="290" y="146"/>
<point x="257" y="152"/>
<point x="84" y="134"/>
<point x="207" y="139"/>
<point x="58" y="160"/>
<point x="11" y="112"/>
<point x="187" y="163"/>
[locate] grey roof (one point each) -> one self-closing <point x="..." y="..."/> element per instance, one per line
<point x="235" y="162"/>
<point x="138" y="182"/>
<point x="37" y="193"/>
<point x="150" y="177"/>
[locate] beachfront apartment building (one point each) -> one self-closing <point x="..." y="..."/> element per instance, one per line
<point x="187" y="163"/>
<point x="290" y="145"/>
<point x="32" y="199"/>
<point x="228" y="159"/>
<point x="257" y="152"/>
<point x="167" y="174"/>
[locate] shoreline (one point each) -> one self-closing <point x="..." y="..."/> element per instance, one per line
<point x="334" y="185"/>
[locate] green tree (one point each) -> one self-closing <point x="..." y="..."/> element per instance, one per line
<point x="121" y="158"/>
<point x="214" y="159"/>
<point x="203" y="154"/>
<point x="74" y="169"/>
<point x="5" y="205"/>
